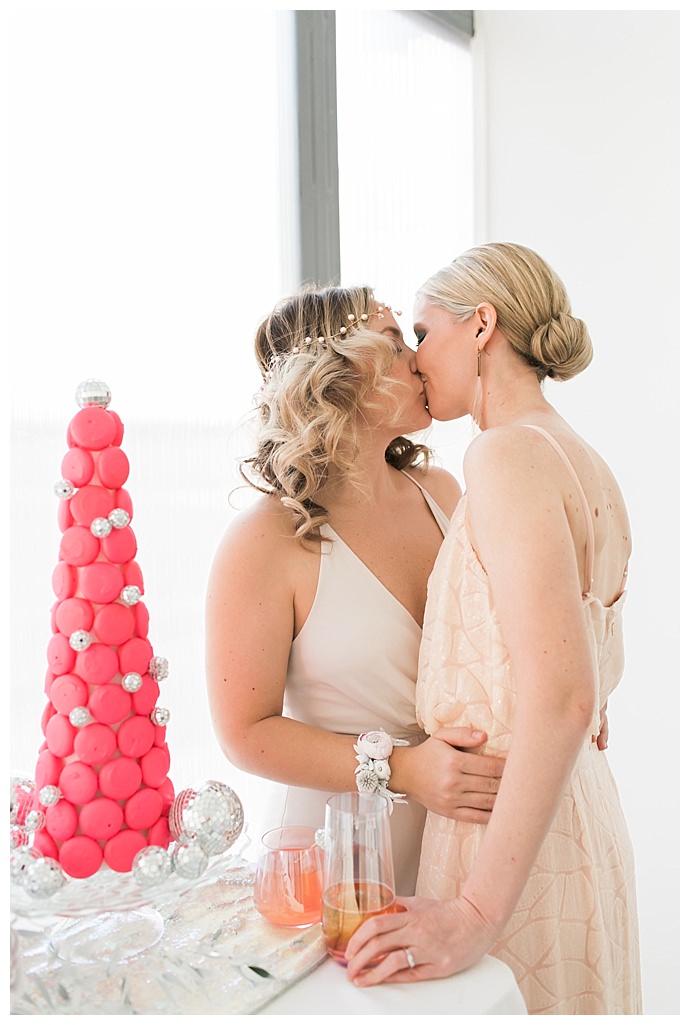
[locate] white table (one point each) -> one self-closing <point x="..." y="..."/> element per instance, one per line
<point x="216" y="955"/>
<point x="487" y="988"/>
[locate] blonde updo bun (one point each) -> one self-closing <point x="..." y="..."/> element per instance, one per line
<point x="530" y="300"/>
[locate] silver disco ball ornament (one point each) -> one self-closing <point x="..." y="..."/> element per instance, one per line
<point x="43" y="877"/>
<point x="189" y="859"/>
<point x="20" y="860"/>
<point x="21" y="799"/>
<point x="211" y="813"/>
<point x="152" y="866"/>
<point x="93" y="393"/>
<point x="18" y="837"/>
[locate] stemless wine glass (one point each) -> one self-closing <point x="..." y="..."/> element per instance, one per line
<point x="359" y="881"/>
<point x="289" y="877"/>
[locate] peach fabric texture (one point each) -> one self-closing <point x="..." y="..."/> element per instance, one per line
<point x="572" y="941"/>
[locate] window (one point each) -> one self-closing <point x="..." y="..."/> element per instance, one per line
<point x="154" y="220"/>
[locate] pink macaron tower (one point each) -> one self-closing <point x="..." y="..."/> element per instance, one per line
<point x="102" y="790"/>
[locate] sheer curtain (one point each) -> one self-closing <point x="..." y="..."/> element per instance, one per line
<point x="153" y="215"/>
<point x="406" y="159"/>
<point x="154" y="212"/>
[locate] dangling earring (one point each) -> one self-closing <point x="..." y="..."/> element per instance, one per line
<point x="479" y="362"/>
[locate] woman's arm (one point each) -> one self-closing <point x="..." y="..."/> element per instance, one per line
<point x="522" y="537"/>
<point x="260" y="576"/>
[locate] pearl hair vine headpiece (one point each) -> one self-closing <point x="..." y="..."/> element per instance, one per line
<point x="353" y="322"/>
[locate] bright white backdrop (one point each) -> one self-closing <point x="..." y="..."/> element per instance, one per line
<point x="140" y="255"/>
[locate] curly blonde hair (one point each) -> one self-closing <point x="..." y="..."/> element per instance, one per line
<point x="317" y="378"/>
<point x="530" y="300"/>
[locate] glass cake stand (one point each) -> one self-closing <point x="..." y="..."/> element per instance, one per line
<point x="108" y="917"/>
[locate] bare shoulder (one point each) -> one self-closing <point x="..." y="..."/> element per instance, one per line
<point x="263" y="533"/>
<point x="441" y="485"/>
<point x="506" y="452"/>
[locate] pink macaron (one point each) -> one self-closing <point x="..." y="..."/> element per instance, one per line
<point x="159" y="833"/>
<point x="93" y="428"/>
<point x="114" y="624"/>
<point x="61" y="820"/>
<point x="97" y="664"/>
<point x="68" y="692"/>
<point x="120" y="545"/>
<point x="133" y="575"/>
<point x="120" y="778"/>
<point x="120" y="850"/>
<point x="135" y="736"/>
<point x="101" y="582"/>
<point x="81" y="856"/>
<point x="95" y="743"/>
<point x="44" y="843"/>
<point x="155" y="765"/>
<point x="143" y="809"/>
<point x="64" y="580"/>
<point x="113" y="468"/>
<point x="73" y="614"/>
<point x="101" y="818"/>
<point x="78" y="783"/>
<point x="144" y="699"/>
<point x="77" y="466"/>
<point x="109" y="703"/>
<point x="61" y="657"/>
<point x="78" y="546"/>
<point x="90" y="503"/>
<point x="47" y="772"/>
<point x="60" y="736"/>
<point x="135" y="656"/>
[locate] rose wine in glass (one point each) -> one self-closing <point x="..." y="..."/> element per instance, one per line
<point x="346" y="906"/>
<point x="289" y="877"/>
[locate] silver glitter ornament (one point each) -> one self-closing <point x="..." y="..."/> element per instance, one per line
<point x="100" y="527"/>
<point x="63" y="489"/>
<point x="189" y="859"/>
<point x="80" y="716"/>
<point x="49" y="795"/>
<point x="93" y="393"/>
<point x="181" y="802"/>
<point x="43" y="878"/>
<point x="160" y="716"/>
<point x="20" y="860"/>
<point x="212" y="814"/>
<point x="151" y="866"/>
<point x="118" y="518"/>
<point x="131" y="682"/>
<point x="158" y="668"/>
<point x="80" y="640"/>
<point x="18" y="838"/>
<point x="130" y="595"/>
<point x="35" y="820"/>
<point x="21" y="797"/>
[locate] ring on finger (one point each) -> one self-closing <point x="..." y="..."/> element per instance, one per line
<point x="410" y="959"/>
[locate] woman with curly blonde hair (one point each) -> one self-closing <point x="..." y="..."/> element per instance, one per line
<point x="316" y="596"/>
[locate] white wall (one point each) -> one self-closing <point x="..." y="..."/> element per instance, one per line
<point x="578" y="153"/>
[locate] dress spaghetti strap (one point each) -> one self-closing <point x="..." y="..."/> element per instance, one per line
<point x="589" y="547"/>
<point x="436" y="510"/>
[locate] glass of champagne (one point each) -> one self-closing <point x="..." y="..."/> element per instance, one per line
<point x="289" y="877"/>
<point x="358" y="880"/>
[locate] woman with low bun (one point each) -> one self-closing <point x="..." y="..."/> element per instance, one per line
<point x="522" y="639"/>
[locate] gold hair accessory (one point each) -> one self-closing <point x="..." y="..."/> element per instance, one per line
<point x="353" y="322"/>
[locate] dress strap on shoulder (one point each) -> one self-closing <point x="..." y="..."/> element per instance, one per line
<point x="589" y="548"/>
<point x="436" y="510"/>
